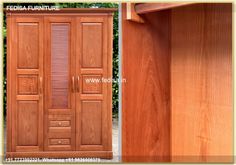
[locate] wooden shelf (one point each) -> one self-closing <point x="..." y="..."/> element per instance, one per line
<point x="143" y="8"/>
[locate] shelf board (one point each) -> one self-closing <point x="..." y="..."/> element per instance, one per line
<point x="142" y="8"/>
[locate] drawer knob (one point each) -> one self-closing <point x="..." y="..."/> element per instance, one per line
<point x="59" y="142"/>
<point x="59" y="123"/>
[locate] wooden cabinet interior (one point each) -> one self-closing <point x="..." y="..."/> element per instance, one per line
<point x="52" y="109"/>
<point x="177" y="99"/>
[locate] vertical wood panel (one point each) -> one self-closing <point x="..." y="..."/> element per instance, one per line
<point x="201" y="77"/>
<point x="146" y="93"/>
<point x="28" y="56"/>
<point x="59" y="65"/>
<point x="9" y="94"/>
<point x="28" y="47"/>
<point x="27" y="123"/>
<point x="91" y="122"/>
<point x="59" y="70"/>
<point x="92" y="41"/>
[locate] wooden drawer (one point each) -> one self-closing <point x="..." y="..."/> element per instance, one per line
<point x="59" y="141"/>
<point x="54" y="123"/>
<point x="59" y="123"/>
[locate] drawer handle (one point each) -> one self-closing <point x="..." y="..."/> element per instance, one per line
<point x="59" y="123"/>
<point x="59" y="142"/>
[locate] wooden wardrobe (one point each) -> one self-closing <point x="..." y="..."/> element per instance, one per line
<point x="54" y="109"/>
<point x="177" y="102"/>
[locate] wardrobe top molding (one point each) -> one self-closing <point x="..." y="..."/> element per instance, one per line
<point x="64" y="11"/>
<point x="143" y="8"/>
<point x="134" y="11"/>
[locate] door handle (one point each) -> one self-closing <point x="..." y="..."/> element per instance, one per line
<point x="40" y="85"/>
<point x="73" y="84"/>
<point x="78" y="87"/>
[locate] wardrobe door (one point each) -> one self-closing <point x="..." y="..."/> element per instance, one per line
<point x="59" y="84"/>
<point x="93" y="99"/>
<point x="26" y="73"/>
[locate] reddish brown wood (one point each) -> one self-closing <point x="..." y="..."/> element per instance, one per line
<point x="146" y="93"/>
<point x="91" y="123"/>
<point x="50" y="111"/>
<point x="131" y="14"/>
<point x="177" y="99"/>
<point x="143" y="8"/>
<point x="61" y="154"/>
<point x="9" y="76"/>
<point x="60" y="38"/>
<point x="27" y="126"/>
<point x="59" y="98"/>
<point x="94" y="60"/>
<point x="201" y="76"/>
<point x="25" y="98"/>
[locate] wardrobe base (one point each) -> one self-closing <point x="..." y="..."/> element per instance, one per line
<point x="62" y="154"/>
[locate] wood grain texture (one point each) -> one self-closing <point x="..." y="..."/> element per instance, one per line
<point x="26" y="102"/>
<point x="60" y="64"/>
<point x="59" y="141"/>
<point x="59" y="68"/>
<point x="27" y="123"/>
<point x="9" y="91"/>
<point x="91" y="123"/>
<point x="92" y="44"/>
<point x="53" y="45"/>
<point x="60" y="154"/>
<point x="181" y="62"/>
<point x="201" y="76"/>
<point x="91" y="84"/>
<point x="27" y="84"/>
<point x="143" y="8"/>
<point x="94" y="47"/>
<point x="59" y="123"/>
<point x="28" y="47"/>
<point x="146" y="93"/>
<point x="131" y="14"/>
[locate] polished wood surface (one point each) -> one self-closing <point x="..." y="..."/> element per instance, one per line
<point x="131" y="14"/>
<point x="91" y="123"/>
<point x="177" y="99"/>
<point x="52" y="109"/>
<point x="60" y="38"/>
<point x="26" y="98"/>
<point x="146" y="92"/>
<point x="143" y="8"/>
<point x="92" y="36"/>
<point x="201" y="88"/>
<point x="59" y="68"/>
<point x="61" y="154"/>
<point x="93" y="64"/>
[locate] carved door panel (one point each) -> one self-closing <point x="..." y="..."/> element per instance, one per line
<point x="27" y="91"/>
<point x="93" y="66"/>
<point x="59" y="118"/>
